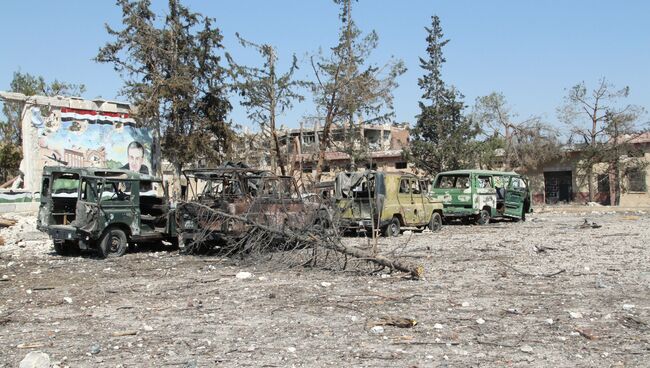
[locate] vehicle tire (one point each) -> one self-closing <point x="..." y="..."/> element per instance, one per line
<point x="62" y="248"/>
<point x="113" y="243"/>
<point x="483" y="217"/>
<point x="523" y="214"/>
<point x="392" y="229"/>
<point x="435" y="224"/>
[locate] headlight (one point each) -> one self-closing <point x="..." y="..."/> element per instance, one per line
<point x="189" y="224"/>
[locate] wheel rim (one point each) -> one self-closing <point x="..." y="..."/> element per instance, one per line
<point x="437" y="224"/>
<point x="115" y="244"/>
<point x="393" y="229"/>
<point x="485" y="217"/>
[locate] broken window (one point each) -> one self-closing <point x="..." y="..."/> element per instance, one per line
<point x="636" y="179"/>
<point x="603" y="183"/>
<point x="484" y="182"/>
<point x="115" y="191"/>
<point x="415" y="187"/>
<point x="404" y="186"/>
<point x="460" y="181"/>
<point x="400" y="165"/>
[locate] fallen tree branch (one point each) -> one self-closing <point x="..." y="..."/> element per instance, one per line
<point x="320" y="239"/>
<point x="533" y="274"/>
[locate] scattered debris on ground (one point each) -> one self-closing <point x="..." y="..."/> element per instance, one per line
<point x="490" y="296"/>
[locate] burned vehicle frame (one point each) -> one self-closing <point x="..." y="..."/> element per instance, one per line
<point x="245" y="196"/>
<point x="385" y="201"/>
<point x="103" y="210"/>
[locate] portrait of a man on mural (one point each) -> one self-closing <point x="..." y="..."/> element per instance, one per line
<point x="135" y="156"/>
<point x="85" y="138"/>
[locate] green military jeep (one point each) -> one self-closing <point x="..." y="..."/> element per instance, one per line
<point x="481" y="195"/>
<point x="385" y="202"/>
<point x="103" y="209"/>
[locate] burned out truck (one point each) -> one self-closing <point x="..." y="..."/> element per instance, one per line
<point x="222" y="204"/>
<point x="103" y="210"/>
<point x="385" y="201"/>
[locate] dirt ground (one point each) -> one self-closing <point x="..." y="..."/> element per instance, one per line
<point x="543" y="293"/>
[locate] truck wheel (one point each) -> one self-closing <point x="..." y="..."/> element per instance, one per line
<point x="392" y="229"/>
<point x="483" y="217"/>
<point x="435" y="224"/>
<point x="61" y="248"/>
<point x="113" y="243"/>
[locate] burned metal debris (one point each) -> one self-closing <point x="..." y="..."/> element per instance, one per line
<point x="239" y="211"/>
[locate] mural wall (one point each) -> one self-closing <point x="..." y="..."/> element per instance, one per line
<point x="87" y="138"/>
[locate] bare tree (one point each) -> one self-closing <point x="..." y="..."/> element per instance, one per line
<point x="527" y="143"/>
<point x="597" y="121"/>
<point x="265" y="94"/>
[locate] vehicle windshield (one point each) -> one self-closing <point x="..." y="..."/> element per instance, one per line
<point x="355" y="185"/>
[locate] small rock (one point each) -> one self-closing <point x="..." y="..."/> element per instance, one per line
<point x="377" y="330"/>
<point x="35" y="359"/>
<point x="95" y="349"/>
<point x="407" y="232"/>
<point x="4" y="277"/>
<point x="147" y="328"/>
<point x="480" y="321"/>
<point x="325" y="284"/>
<point x="526" y="349"/>
<point x="628" y="306"/>
<point x="68" y="300"/>
<point x="243" y="275"/>
<point x="291" y="349"/>
<point x="28" y="291"/>
<point x="575" y="315"/>
<point x="549" y="321"/>
<point x="465" y="304"/>
<point x="437" y="326"/>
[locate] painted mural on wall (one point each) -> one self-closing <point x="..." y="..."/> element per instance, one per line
<point x="87" y="138"/>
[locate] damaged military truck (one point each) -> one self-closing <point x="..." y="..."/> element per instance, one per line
<point x="103" y="210"/>
<point x="221" y="205"/>
<point x="385" y="201"/>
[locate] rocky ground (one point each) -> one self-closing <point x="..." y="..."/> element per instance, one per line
<point x="544" y="293"/>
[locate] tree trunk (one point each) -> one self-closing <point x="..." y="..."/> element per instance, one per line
<point x="178" y="168"/>
<point x="590" y="185"/>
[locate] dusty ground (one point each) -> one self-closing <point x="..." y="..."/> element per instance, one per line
<point x="544" y="293"/>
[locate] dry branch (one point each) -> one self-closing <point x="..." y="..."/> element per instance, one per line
<point x="314" y="236"/>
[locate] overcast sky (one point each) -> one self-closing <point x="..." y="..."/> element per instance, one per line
<point x="531" y="51"/>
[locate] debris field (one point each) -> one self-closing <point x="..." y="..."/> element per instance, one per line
<point x="563" y="289"/>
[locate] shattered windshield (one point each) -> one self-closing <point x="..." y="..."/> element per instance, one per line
<point x="355" y="185"/>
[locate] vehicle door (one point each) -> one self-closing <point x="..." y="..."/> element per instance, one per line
<point x="515" y="196"/>
<point x="118" y="201"/>
<point x="45" y="206"/>
<point x="419" y="200"/>
<point x="405" y="199"/>
<point x="88" y="215"/>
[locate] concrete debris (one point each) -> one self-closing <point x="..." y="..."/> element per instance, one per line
<point x="35" y="359"/>
<point x="526" y="349"/>
<point x="377" y="330"/>
<point x="95" y="349"/>
<point x="575" y="315"/>
<point x="480" y="321"/>
<point x="243" y="275"/>
<point x="628" y="306"/>
<point x="68" y="300"/>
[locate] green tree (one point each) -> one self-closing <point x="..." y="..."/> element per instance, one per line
<point x="349" y="88"/>
<point x="443" y="137"/>
<point x="173" y="76"/>
<point x="265" y="93"/>
<point x="602" y="128"/>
